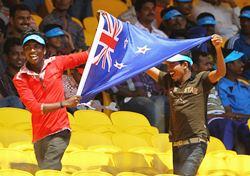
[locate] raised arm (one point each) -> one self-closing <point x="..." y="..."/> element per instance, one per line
<point x="216" y="75"/>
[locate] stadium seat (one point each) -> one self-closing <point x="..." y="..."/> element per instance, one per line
<point x="87" y="159"/>
<point x="77" y="21"/>
<point x="91" y="173"/>
<point x="50" y="173"/>
<point x="109" y="149"/>
<point x="129" y="161"/>
<point x="130" y="174"/>
<point x="90" y="24"/>
<point x="115" y="9"/>
<point x="163" y="162"/>
<point x="215" y="144"/>
<point x="161" y="142"/>
<point x="88" y="139"/>
<point x="125" y="119"/>
<point x="239" y="164"/>
<point x="14" y="172"/>
<point x="37" y="19"/>
<point x="242" y="3"/>
<point x="128" y="141"/>
<point x="10" y="135"/>
<point x="222" y="154"/>
<point x="49" y="5"/>
<point x="12" y="116"/>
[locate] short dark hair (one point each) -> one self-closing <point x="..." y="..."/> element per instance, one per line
<point x="196" y="56"/>
<point x="18" y="7"/>
<point x="139" y="3"/>
<point x="9" y="43"/>
<point x="31" y="32"/>
<point x="48" y="27"/>
<point x="3" y="27"/>
<point x="204" y="14"/>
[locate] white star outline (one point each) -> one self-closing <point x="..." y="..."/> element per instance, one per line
<point x="119" y="65"/>
<point x="125" y="43"/>
<point x="143" y="49"/>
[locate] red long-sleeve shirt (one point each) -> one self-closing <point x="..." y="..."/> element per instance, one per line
<point x="46" y="87"/>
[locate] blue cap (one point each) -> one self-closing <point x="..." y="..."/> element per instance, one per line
<point x="183" y="0"/>
<point x="207" y="20"/>
<point x="233" y="56"/>
<point x="55" y="32"/>
<point x="245" y="14"/>
<point x="34" y="37"/>
<point x="180" y="57"/>
<point x="170" y="14"/>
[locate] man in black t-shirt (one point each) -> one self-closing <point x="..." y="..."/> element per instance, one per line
<point x="188" y="99"/>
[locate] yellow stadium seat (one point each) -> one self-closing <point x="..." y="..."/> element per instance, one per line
<point x="106" y="101"/>
<point x="49" y="5"/>
<point x="104" y="148"/>
<point x="13" y="159"/>
<point x="12" y="116"/>
<point x="37" y="19"/>
<point x="22" y="146"/>
<point x="215" y="144"/>
<point x="212" y="164"/>
<point x="89" y="37"/>
<point x="14" y="172"/>
<point x="161" y="142"/>
<point x="239" y="164"/>
<point x="222" y="173"/>
<point x="1" y="145"/>
<point x="128" y="141"/>
<point x="248" y="123"/>
<point x="95" y="121"/>
<point x="129" y="161"/>
<point x="166" y="175"/>
<point x="90" y="24"/>
<point x="242" y="3"/>
<point x="130" y="174"/>
<point x="73" y="147"/>
<point x="50" y="173"/>
<point x="91" y="173"/>
<point x="87" y="159"/>
<point x="163" y="162"/>
<point x="8" y="136"/>
<point x="115" y="9"/>
<point x="222" y="154"/>
<point x="127" y="119"/>
<point x="88" y="139"/>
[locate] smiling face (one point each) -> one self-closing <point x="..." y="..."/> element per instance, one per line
<point x="34" y="53"/>
<point x="177" y="70"/>
<point x="21" y="21"/>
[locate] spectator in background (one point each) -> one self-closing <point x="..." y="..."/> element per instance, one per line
<point x="174" y="24"/>
<point x="145" y="11"/>
<point x="20" y="20"/>
<point x="55" y="36"/>
<point x="2" y="37"/>
<point x="130" y="14"/>
<point x="61" y="16"/>
<point x="235" y="96"/>
<point x="81" y="9"/>
<point x="185" y="7"/>
<point x="226" y="13"/>
<point x="241" y="41"/>
<point x="4" y="13"/>
<point x="15" y="60"/>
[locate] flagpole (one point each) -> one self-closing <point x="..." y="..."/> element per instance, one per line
<point x="91" y="54"/>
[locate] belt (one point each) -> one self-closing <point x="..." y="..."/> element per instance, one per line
<point x="188" y="141"/>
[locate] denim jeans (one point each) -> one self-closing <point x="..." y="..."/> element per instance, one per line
<point x="11" y="101"/>
<point x="155" y="108"/>
<point x="49" y="150"/>
<point x="187" y="158"/>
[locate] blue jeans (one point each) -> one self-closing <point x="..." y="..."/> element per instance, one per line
<point x="155" y="108"/>
<point x="187" y="158"/>
<point x="11" y="101"/>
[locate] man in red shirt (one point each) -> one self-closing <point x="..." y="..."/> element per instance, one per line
<point x="39" y="84"/>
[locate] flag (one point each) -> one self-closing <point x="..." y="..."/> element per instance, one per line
<point x="121" y="50"/>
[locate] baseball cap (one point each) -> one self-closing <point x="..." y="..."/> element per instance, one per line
<point x="171" y="13"/>
<point x="54" y="32"/>
<point x="233" y="56"/>
<point x="206" y="20"/>
<point x="245" y="14"/>
<point x="34" y="37"/>
<point x="180" y="57"/>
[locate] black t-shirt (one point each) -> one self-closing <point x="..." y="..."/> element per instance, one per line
<point x="188" y="106"/>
